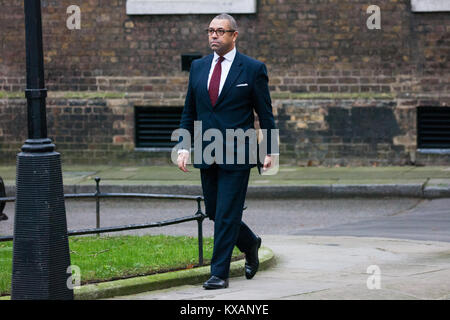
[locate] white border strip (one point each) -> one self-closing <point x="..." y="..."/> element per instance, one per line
<point x="430" y="5"/>
<point x="151" y="7"/>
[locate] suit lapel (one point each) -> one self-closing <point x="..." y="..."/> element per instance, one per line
<point x="235" y="71"/>
<point x="204" y="80"/>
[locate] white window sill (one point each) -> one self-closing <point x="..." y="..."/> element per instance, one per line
<point x="433" y="151"/>
<point x="151" y="7"/>
<point x="430" y="5"/>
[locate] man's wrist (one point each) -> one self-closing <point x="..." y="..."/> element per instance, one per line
<point x="183" y="150"/>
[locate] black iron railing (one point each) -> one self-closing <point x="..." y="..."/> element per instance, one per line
<point x="199" y="216"/>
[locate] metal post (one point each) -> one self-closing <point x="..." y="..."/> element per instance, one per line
<point x="200" y="219"/>
<point x="200" y="241"/>
<point x="40" y="249"/>
<point x="2" y="203"/>
<point x="97" y="203"/>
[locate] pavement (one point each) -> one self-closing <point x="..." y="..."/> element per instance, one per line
<point x="394" y="258"/>
<point x="334" y="268"/>
<point x="289" y="181"/>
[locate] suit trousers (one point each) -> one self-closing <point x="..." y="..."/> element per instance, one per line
<point x="224" y="192"/>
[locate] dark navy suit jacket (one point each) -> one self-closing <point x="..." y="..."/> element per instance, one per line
<point x="233" y="109"/>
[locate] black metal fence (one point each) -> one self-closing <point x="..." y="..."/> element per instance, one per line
<point x="199" y="216"/>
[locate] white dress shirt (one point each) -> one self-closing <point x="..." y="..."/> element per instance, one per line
<point x="226" y="65"/>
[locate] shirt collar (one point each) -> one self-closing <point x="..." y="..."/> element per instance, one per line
<point x="229" y="56"/>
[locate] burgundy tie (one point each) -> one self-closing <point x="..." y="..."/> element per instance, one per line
<point x="215" y="82"/>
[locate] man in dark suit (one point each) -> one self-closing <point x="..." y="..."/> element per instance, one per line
<point x="224" y="88"/>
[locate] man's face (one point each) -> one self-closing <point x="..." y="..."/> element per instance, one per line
<point x="222" y="44"/>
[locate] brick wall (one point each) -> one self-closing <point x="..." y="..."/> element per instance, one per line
<point x="342" y="94"/>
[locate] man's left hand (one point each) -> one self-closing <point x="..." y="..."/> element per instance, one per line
<point x="268" y="162"/>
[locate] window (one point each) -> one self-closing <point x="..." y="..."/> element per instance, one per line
<point x="186" y="60"/>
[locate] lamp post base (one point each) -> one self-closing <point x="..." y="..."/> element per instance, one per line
<point x="40" y="248"/>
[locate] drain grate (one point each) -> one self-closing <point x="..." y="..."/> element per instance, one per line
<point x="154" y="126"/>
<point x="433" y="128"/>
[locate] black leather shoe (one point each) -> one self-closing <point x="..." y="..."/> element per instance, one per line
<point x="215" y="283"/>
<point x="251" y="260"/>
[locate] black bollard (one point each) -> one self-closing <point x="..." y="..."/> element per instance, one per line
<point x="40" y="249"/>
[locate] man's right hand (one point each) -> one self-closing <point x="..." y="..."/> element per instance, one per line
<point x="182" y="160"/>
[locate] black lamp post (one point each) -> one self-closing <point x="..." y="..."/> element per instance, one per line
<point x="41" y="249"/>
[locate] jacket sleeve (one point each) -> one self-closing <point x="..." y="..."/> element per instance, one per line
<point x="263" y="107"/>
<point x="189" y="114"/>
